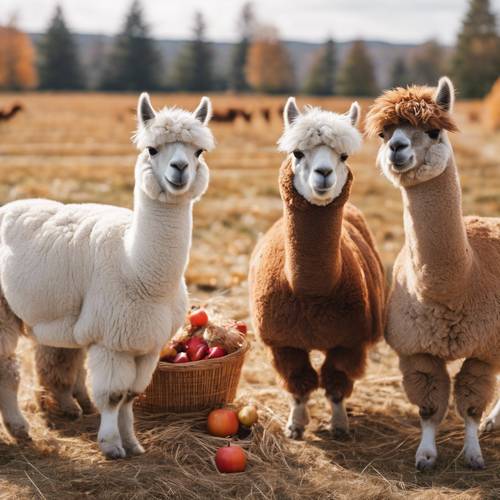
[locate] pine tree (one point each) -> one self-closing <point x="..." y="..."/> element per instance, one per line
<point x="400" y="74"/>
<point x="237" y="77"/>
<point x="476" y="63"/>
<point x="321" y="79"/>
<point x="59" y="66"/>
<point x="428" y="63"/>
<point x="269" y="68"/>
<point x="357" y="75"/>
<point x="134" y="62"/>
<point x="193" y="70"/>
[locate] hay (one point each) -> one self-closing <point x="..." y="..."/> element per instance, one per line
<point x="492" y="107"/>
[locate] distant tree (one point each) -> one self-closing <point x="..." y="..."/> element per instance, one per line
<point x="400" y="73"/>
<point x="59" y="66"/>
<point x="476" y="63"/>
<point x="321" y="79"/>
<point x="194" y="65"/>
<point x="357" y="75"/>
<point x="17" y="59"/>
<point x="428" y="63"/>
<point x="134" y="62"/>
<point x="237" y="77"/>
<point x="269" y="67"/>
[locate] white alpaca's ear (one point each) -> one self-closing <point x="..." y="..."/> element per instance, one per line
<point x="203" y="112"/>
<point x="145" y="110"/>
<point x="445" y="94"/>
<point x="291" y="112"/>
<point x="354" y="113"/>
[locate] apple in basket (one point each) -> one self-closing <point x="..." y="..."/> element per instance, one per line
<point x="230" y="459"/>
<point x="196" y="346"/>
<point x="222" y="422"/>
<point x="198" y="318"/>
<point x="216" y="352"/>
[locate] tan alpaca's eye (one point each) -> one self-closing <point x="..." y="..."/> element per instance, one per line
<point x="434" y="133"/>
<point x="381" y="135"/>
<point x="152" y="151"/>
<point x="198" y="153"/>
<point x="298" y="154"/>
<point x="344" y="156"/>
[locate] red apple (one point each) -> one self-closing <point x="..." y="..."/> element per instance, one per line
<point x="216" y="352"/>
<point x="200" y="353"/>
<point x="230" y="459"/>
<point x="241" y="327"/>
<point x="168" y="353"/>
<point x="193" y="344"/>
<point x="222" y="422"/>
<point x="179" y="346"/>
<point x="198" y="318"/>
<point x="182" y="357"/>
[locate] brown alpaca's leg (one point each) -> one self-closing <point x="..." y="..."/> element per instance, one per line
<point x="58" y="370"/>
<point x="300" y="379"/>
<point x="474" y="390"/>
<point x="427" y="385"/>
<point x="341" y="367"/>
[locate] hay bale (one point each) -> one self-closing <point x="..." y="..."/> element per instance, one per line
<point x="492" y="107"/>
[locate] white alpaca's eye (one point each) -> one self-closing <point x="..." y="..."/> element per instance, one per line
<point x="434" y="133"/>
<point x="298" y="154"/>
<point x="198" y="153"/>
<point x="152" y="151"/>
<point x="344" y="156"/>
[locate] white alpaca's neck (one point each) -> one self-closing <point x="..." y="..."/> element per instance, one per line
<point x="157" y="243"/>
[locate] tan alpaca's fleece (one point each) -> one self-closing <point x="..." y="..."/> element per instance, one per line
<point x="414" y="105"/>
<point x="311" y="305"/>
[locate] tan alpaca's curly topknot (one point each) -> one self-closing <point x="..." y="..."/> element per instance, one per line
<point x="414" y="105"/>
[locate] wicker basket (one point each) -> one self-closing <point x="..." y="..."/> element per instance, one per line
<point x="194" y="386"/>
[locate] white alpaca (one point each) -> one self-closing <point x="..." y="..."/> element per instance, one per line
<point x="105" y="277"/>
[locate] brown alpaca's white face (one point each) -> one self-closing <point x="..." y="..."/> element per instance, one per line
<point x="411" y="155"/>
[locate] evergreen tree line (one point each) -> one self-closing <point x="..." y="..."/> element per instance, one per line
<point x="259" y="62"/>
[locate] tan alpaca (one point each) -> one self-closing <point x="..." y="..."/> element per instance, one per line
<point x="316" y="281"/>
<point x="445" y="298"/>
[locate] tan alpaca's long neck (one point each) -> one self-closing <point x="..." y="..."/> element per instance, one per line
<point x="313" y="261"/>
<point x="435" y="234"/>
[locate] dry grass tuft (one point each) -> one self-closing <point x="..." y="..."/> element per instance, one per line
<point x="76" y="148"/>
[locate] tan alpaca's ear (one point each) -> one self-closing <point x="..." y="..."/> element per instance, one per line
<point x="290" y="112"/>
<point x="145" y="110"/>
<point x="354" y="113"/>
<point x="203" y="112"/>
<point x="445" y="94"/>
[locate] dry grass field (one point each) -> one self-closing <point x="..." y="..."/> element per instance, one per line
<point x="77" y="148"/>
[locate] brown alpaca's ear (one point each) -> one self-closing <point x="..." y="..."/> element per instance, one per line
<point x="145" y="110"/>
<point x="445" y="94"/>
<point x="291" y="112"/>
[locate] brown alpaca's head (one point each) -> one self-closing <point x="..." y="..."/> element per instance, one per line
<point x="412" y="123"/>
<point x="319" y="143"/>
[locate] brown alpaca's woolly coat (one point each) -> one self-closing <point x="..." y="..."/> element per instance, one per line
<point x="313" y="305"/>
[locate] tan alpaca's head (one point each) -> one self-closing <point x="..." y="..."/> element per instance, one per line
<point x="320" y="143"/>
<point x="172" y="142"/>
<point x="412" y="123"/>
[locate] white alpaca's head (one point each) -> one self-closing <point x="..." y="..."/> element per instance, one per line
<point x="320" y="143"/>
<point x="412" y="123"/>
<point x="170" y="166"/>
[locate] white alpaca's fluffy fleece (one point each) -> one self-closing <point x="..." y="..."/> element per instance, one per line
<point x="316" y="126"/>
<point x="174" y="125"/>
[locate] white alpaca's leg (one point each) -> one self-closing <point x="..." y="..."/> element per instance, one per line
<point x="492" y="421"/>
<point x="112" y="374"/>
<point x="145" y="366"/>
<point x="58" y="333"/>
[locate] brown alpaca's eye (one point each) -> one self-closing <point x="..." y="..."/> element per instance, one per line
<point x="434" y="133"/>
<point x="344" y="156"/>
<point x="152" y="151"/>
<point x="381" y="135"/>
<point x="298" y="154"/>
<point x="198" y="153"/>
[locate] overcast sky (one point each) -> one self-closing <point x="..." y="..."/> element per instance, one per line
<point x="310" y="20"/>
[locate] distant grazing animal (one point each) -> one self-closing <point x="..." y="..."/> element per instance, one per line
<point x="266" y="114"/>
<point x="105" y="278"/>
<point x="6" y="115"/>
<point x="246" y="115"/>
<point x="228" y="116"/>
<point x="316" y="281"/>
<point x="444" y="303"/>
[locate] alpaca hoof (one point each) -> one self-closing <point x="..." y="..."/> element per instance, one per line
<point x="133" y="449"/>
<point x="488" y="425"/>
<point x="475" y="462"/>
<point x="112" y="451"/>
<point x="87" y="407"/>
<point x="425" y="460"/>
<point x="18" y="430"/>
<point x="340" y="433"/>
<point x="294" y="432"/>
<point x="71" y="413"/>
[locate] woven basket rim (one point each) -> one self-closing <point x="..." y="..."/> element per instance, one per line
<point x="207" y="363"/>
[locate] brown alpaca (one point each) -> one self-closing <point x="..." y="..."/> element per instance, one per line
<point x="445" y="298"/>
<point x="316" y="281"/>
